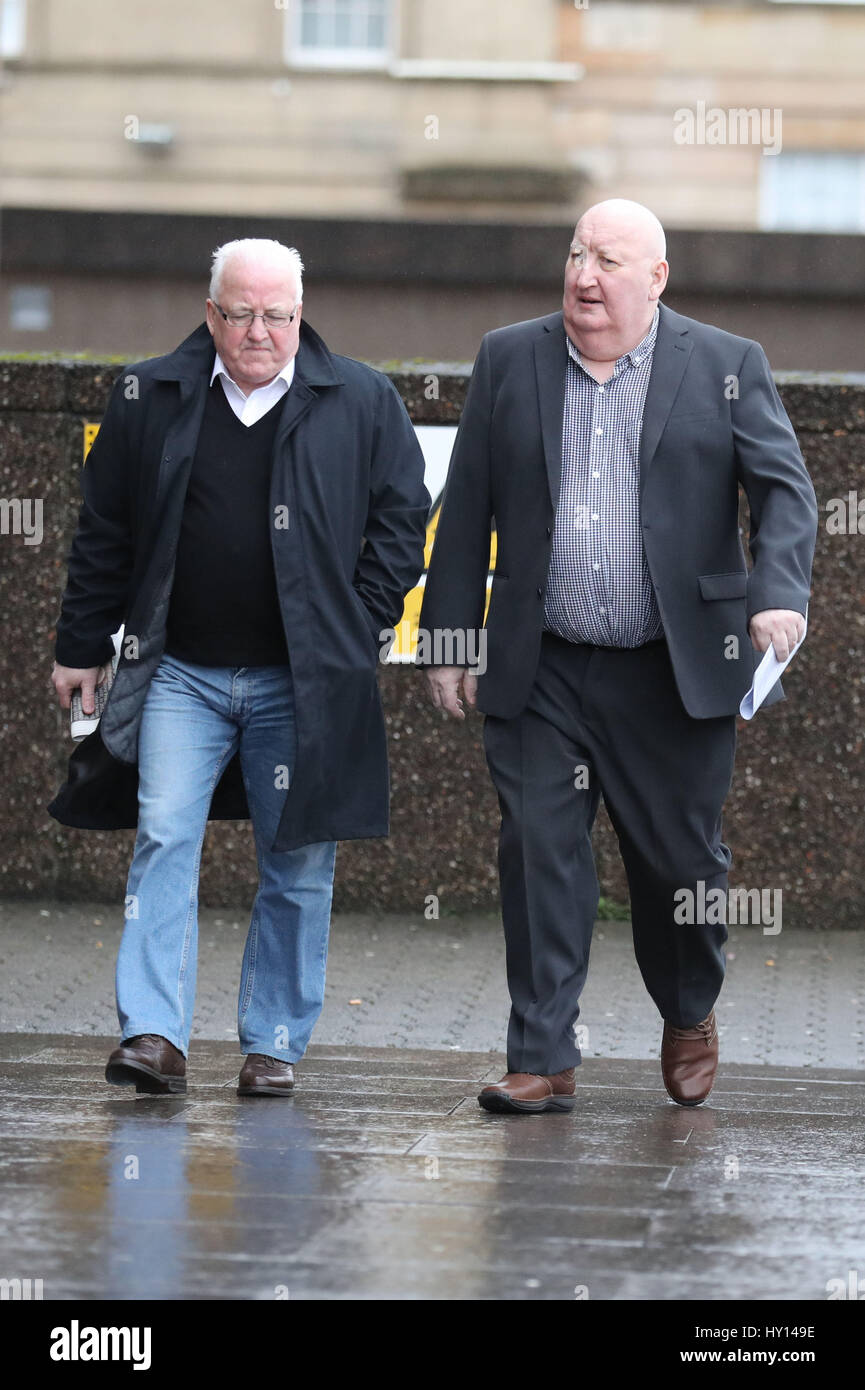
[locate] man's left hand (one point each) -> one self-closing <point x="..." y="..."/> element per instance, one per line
<point x="779" y="626"/>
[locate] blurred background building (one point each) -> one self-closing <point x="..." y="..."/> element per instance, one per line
<point x="429" y="159"/>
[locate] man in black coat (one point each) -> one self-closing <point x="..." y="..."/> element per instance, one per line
<point x="254" y="514"/>
<point x="607" y="443"/>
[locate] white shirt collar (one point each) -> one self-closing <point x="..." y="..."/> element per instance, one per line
<point x="220" y="369"/>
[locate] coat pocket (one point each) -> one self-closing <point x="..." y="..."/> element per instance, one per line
<point x="714" y="586"/>
<point x="369" y="622"/>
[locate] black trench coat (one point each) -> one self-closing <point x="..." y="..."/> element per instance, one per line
<point x="348" y="467"/>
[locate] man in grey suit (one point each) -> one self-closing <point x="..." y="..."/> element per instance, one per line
<point x="607" y="443"/>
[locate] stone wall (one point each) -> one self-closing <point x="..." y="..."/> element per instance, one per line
<point x="132" y="283"/>
<point x="794" y="819"/>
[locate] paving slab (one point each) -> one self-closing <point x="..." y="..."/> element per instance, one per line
<point x="794" y="999"/>
<point x="382" y="1179"/>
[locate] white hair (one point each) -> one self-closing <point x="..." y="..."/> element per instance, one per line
<point x="256" y="249"/>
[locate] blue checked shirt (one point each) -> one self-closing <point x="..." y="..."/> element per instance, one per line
<point x="599" y="590"/>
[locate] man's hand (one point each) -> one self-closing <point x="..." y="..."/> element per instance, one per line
<point x="66" y="679"/>
<point x="445" y="682"/>
<point x="779" y="626"/>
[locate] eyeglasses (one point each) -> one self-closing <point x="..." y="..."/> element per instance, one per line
<point x="246" y="319"/>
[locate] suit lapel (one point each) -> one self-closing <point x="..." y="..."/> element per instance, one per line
<point x="673" y="348"/>
<point x="551" y="360"/>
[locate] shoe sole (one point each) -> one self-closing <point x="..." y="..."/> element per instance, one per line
<point x="500" y="1104"/>
<point x="145" y="1080"/>
<point x="264" y="1091"/>
<point x="689" y="1104"/>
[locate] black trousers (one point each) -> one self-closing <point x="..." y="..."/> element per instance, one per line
<point x="604" y="721"/>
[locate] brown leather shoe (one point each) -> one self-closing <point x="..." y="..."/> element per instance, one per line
<point x="689" y="1060"/>
<point x="525" y="1091"/>
<point x="266" y="1076"/>
<point x="150" y="1063"/>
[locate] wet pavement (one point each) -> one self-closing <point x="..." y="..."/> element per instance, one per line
<point x="383" y="1179"/>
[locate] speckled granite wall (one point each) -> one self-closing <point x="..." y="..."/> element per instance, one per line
<point x="794" y="819"/>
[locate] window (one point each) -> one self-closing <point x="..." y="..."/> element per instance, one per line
<point x="30" y="308"/>
<point x="812" y="191"/>
<point x="13" y="15"/>
<point x="338" y="33"/>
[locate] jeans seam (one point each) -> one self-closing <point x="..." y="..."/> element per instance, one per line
<point x="253" y="946"/>
<point x="252" y="936"/>
<point x="194" y="888"/>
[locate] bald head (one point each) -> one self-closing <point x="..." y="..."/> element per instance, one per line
<point x="616" y="273"/>
<point x="629" y="221"/>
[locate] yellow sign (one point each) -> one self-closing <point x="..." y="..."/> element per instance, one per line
<point x="405" y="645"/>
<point x="90" y="433"/>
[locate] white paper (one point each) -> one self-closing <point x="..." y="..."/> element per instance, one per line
<point x="767" y="673"/>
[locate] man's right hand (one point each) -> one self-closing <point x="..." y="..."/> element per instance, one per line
<point x="67" y="679"/>
<point x="445" y="682"/>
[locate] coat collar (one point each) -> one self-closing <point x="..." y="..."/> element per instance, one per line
<point x="195" y="356"/>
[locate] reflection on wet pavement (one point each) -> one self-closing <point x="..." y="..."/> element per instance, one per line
<point x="382" y="1178"/>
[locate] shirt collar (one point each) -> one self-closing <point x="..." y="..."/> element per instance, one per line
<point x="219" y="369"/>
<point x="636" y="354"/>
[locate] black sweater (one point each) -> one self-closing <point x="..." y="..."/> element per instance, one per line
<point x="224" y="607"/>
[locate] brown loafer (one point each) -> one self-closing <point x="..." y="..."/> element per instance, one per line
<point x="266" y="1076"/>
<point x="150" y="1063"/>
<point x="529" y="1093"/>
<point x="689" y="1060"/>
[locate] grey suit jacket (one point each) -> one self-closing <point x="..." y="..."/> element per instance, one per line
<point x="712" y="420"/>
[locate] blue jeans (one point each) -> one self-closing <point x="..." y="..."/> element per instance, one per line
<point x="194" y="719"/>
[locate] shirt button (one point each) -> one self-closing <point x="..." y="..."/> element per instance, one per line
<point x="549" y="530"/>
<point x="596" y="475"/>
<point x="600" y="388"/>
<point x="599" y="430"/>
<point x="594" y="516"/>
<point x="596" y="567"/>
<point x="603" y="612"/>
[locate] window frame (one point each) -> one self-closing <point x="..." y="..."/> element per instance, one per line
<point x="298" y="55"/>
<point x="13" y="29"/>
<point x="39" y="310"/>
<point x="770" y="216"/>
